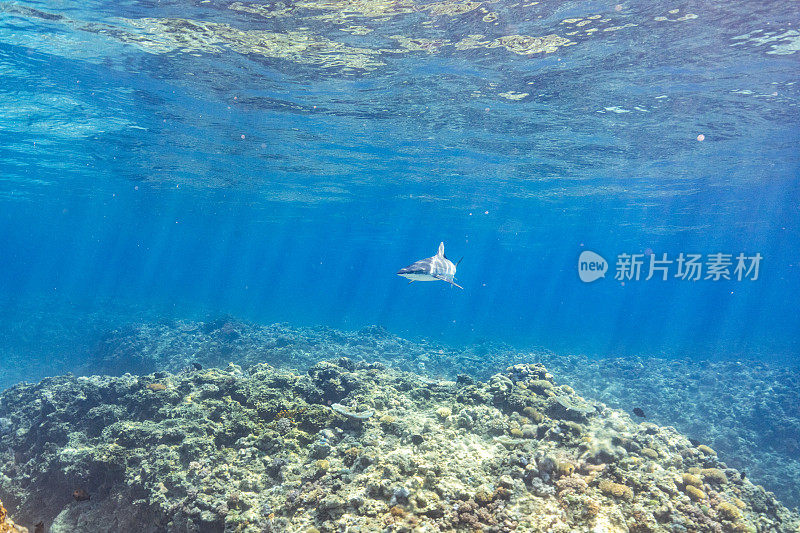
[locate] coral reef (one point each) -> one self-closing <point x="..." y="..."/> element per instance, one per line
<point x="745" y="411"/>
<point x="265" y="449"/>
<point x="7" y="525"/>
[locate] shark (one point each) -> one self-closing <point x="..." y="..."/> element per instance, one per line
<point x="436" y="268"/>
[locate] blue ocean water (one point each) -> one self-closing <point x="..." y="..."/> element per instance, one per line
<point x="280" y="162"/>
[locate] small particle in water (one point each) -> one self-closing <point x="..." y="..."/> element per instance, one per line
<point x="618" y="7"/>
<point x="638" y="412"/>
<point x="701" y="137"/>
<point x="242" y="136"/>
<point x="80" y="495"/>
<point x="648" y="251"/>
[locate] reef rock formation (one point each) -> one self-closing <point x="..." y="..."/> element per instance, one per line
<point x="262" y="449"/>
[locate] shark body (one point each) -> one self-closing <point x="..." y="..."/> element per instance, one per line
<point x="436" y="268"/>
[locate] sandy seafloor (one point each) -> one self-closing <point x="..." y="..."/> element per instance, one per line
<point x="222" y="425"/>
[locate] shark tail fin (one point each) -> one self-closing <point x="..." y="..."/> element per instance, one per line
<point x="441" y="249"/>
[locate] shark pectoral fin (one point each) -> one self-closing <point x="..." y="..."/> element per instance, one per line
<point x="451" y="282"/>
<point x="457" y="262"/>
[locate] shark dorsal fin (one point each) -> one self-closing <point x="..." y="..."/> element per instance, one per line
<point x="441" y="249"/>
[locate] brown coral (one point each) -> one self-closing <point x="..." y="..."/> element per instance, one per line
<point x="706" y="450"/>
<point x="729" y="511"/>
<point x="691" y="479"/>
<point x="695" y="493"/>
<point x="533" y="414"/>
<point x="397" y="511"/>
<point x="571" y="485"/>
<point x="649" y="452"/>
<point x="617" y="490"/>
<point x="714" y="475"/>
<point x="6" y="524"/>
